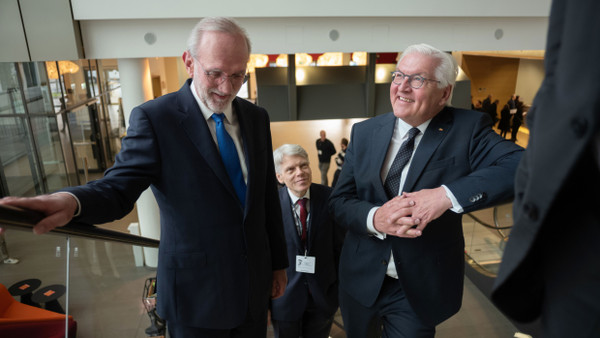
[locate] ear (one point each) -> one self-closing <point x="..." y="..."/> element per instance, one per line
<point x="188" y="61"/>
<point x="279" y="178"/>
<point x="445" y="95"/>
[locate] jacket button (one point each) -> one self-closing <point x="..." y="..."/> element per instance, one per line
<point x="579" y="126"/>
<point x="531" y="211"/>
<point x="384" y="262"/>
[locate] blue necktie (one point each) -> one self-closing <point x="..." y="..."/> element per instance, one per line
<point x="392" y="181"/>
<point x="230" y="158"/>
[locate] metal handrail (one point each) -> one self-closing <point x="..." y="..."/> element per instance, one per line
<point x="495" y="227"/>
<point x="22" y="219"/>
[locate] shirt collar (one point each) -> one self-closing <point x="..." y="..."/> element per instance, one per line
<point x="296" y="198"/>
<point x="402" y="127"/>
<point x="206" y="112"/>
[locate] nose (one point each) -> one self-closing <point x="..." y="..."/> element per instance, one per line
<point x="404" y="79"/>
<point x="225" y="85"/>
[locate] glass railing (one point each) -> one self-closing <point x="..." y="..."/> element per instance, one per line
<point x="486" y="232"/>
<point x="99" y="278"/>
<point x="96" y="276"/>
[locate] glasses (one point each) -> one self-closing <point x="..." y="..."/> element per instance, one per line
<point x="415" y="81"/>
<point x="218" y="77"/>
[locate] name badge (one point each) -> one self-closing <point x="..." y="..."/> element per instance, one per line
<point x="305" y="264"/>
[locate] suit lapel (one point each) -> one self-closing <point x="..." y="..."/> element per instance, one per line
<point x="436" y="132"/>
<point x="289" y="218"/>
<point x="315" y="209"/>
<point x="247" y="143"/>
<point x="380" y="142"/>
<point x="195" y="126"/>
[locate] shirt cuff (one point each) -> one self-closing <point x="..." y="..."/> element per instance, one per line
<point x="370" y="225"/>
<point x="78" y="210"/>
<point x="456" y="207"/>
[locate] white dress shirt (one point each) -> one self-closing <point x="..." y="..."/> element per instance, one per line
<point x="231" y="125"/>
<point x="400" y="135"/>
<point x="296" y="210"/>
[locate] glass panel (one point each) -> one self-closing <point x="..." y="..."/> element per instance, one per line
<point x="11" y="101"/>
<point x="36" y="88"/>
<point x="58" y="101"/>
<point x="106" y="289"/>
<point x="16" y="157"/>
<point x="67" y="149"/>
<point x="83" y="138"/>
<point x="73" y="81"/>
<point x="39" y="278"/>
<point x="484" y="241"/>
<point x="47" y="138"/>
<point x="111" y="84"/>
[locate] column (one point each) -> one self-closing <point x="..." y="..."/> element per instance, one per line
<point x="136" y="88"/>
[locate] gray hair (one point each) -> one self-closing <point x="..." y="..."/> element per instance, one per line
<point x="287" y="150"/>
<point x="215" y="24"/>
<point x="445" y="72"/>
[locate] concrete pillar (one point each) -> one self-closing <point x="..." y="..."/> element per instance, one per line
<point x="136" y="88"/>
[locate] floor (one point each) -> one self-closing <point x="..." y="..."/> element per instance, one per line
<point x="106" y="286"/>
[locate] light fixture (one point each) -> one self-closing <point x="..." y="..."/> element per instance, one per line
<point x="359" y="58"/>
<point x="330" y="59"/>
<point x="303" y="59"/>
<point x="300" y="76"/>
<point x="282" y="60"/>
<point x="65" y="67"/>
<point x="257" y="61"/>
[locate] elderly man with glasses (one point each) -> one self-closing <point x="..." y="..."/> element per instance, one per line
<point x="408" y="177"/>
<point x="207" y="155"/>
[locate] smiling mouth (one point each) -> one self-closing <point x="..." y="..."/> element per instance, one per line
<point x="404" y="99"/>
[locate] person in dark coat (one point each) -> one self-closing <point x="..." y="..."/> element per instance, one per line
<point x="308" y="305"/>
<point x="504" y="124"/>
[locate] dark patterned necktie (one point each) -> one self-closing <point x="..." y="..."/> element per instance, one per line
<point x="392" y="181"/>
<point x="230" y="158"/>
<point x="303" y="216"/>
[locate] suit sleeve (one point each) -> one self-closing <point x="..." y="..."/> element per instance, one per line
<point x="493" y="161"/>
<point x="275" y="231"/>
<point x="136" y="166"/>
<point x="345" y="205"/>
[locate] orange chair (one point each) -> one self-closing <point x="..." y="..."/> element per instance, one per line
<point x="20" y="320"/>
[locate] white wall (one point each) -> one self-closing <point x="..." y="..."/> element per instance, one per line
<point x="529" y="79"/>
<point x="153" y="9"/>
<point x="116" y="28"/>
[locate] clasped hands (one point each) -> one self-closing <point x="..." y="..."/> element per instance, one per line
<point x="407" y="215"/>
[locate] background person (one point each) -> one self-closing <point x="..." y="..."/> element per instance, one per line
<point x="403" y="255"/>
<point x="310" y="301"/>
<point x="4" y="255"/>
<point x="222" y="250"/>
<point x="339" y="160"/>
<point x="325" y="149"/>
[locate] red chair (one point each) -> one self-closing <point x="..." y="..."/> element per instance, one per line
<point x="20" y="320"/>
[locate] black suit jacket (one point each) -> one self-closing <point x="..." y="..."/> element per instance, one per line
<point x="324" y="242"/>
<point x="458" y="149"/>
<point x="215" y="258"/>
<point x="552" y="248"/>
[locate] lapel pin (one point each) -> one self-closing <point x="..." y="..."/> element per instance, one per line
<point x="441" y="129"/>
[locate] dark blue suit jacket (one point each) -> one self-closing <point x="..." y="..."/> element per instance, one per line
<point x="325" y="240"/>
<point x="215" y="258"/>
<point x="458" y="149"/>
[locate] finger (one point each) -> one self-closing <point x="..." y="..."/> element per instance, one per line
<point x="49" y="223"/>
<point x="408" y="232"/>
